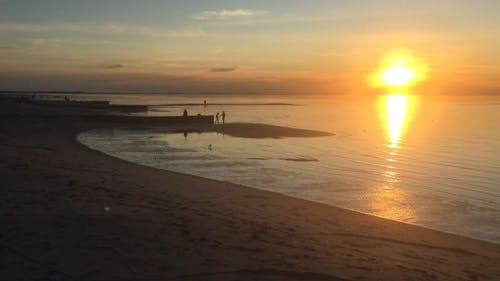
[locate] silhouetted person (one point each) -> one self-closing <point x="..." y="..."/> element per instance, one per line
<point x="185" y="113"/>
<point x="223" y="117"/>
<point x="205" y="103"/>
<point x="185" y="135"/>
<point x="217" y="118"/>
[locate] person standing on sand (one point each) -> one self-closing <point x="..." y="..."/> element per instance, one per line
<point x="185" y="113"/>
<point x="223" y="117"/>
<point x="217" y="118"/>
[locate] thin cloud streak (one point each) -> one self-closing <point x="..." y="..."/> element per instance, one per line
<point x="228" y="14"/>
<point x="103" y="28"/>
<point x="223" y="69"/>
<point x="114" y="66"/>
<point x="156" y="32"/>
<point x="22" y="27"/>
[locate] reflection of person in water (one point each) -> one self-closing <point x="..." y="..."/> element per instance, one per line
<point x="185" y="113"/>
<point x="217" y="118"/>
<point x="223" y="117"/>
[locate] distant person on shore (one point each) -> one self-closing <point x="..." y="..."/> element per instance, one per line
<point x="205" y="103"/>
<point x="217" y="118"/>
<point x="185" y="113"/>
<point x="223" y="117"/>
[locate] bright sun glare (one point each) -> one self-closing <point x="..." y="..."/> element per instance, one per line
<point x="397" y="76"/>
<point x="399" y="69"/>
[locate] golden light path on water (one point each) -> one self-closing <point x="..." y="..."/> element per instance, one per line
<point x="396" y="107"/>
<point x="390" y="200"/>
<point x="395" y="111"/>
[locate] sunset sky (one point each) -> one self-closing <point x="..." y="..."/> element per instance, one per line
<point x="288" y="46"/>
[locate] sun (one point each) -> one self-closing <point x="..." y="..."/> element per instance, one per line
<point x="397" y="76"/>
<point x="399" y="70"/>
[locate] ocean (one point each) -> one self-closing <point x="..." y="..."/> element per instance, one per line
<point x="428" y="161"/>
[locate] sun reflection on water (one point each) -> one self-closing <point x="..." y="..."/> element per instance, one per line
<point x="396" y="109"/>
<point x="390" y="200"/>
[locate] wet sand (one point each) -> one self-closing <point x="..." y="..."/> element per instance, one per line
<point x="250" y="130"/>
<point x="71" y="213"/>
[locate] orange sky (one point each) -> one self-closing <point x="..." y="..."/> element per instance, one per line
<point x="327" y="47"/>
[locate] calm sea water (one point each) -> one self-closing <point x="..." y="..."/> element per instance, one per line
<point x="427" y="161"/>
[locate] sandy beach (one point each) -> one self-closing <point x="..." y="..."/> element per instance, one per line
<point x="71" y="213"/>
